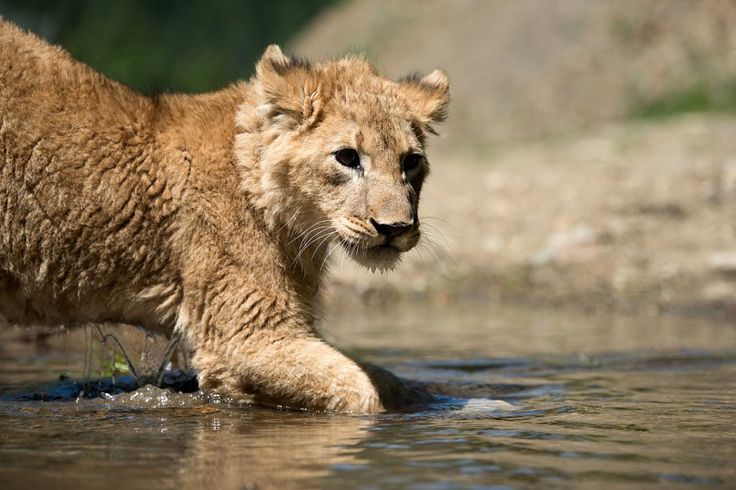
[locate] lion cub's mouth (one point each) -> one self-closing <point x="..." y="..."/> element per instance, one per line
<point x="377" y="257"/>
<point x="375" y="250"/>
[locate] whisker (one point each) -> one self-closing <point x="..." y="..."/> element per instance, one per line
<point x="425" y="251"/>
<point x="321" y="234"/>
<point x="342" y="259"/>
<point x="289" y="222"/>
<point x="350" y="247"/>
<point x="326" y="237"/>
<point x="434" y="247"/>
<point x="313" y="236"/>
<point x="440" y="257"/>
<point x="329" y="252"/>
<point x="437" y="232"/>
<point x="308" y="230"/>
<point x="436" y="218"/>
<point x="437" y="236"/>
<point x="304" y="244"/>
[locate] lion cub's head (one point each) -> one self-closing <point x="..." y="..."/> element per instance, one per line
<point x="335" y="153"/>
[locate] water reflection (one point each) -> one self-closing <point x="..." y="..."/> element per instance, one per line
<point x="270" y="452"/>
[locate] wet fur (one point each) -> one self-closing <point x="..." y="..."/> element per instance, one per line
<point x="180" y="212"/>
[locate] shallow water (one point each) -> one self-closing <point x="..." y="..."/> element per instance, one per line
<point x="535" y="399"/>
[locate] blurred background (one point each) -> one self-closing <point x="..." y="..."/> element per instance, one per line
<point x="589" y="159"/>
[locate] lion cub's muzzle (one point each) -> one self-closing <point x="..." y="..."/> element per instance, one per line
<point x="400" y="235"/>
<point x="392" y="230"/>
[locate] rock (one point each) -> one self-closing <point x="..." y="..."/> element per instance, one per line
<point x="724" y="262"/>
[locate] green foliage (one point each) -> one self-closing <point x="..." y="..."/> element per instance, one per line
<point x="699" y="97"/>
<point x="165" y="45"/>
<point x="114" y="365"/>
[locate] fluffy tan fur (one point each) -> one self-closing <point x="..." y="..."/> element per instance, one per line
<point x="210" y="215"/>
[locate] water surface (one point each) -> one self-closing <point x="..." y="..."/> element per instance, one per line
<point x="585" y="402"/>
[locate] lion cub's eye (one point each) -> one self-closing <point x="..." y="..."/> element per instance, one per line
<point x="411" y="162"/>
<point x="348" y="157"/>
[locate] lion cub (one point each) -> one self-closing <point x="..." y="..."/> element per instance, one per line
<point x="210" y="215"/>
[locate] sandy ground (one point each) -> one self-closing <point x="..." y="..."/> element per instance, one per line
<point x="630" y="216"/>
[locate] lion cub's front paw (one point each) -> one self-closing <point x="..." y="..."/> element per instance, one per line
<point x="366" y="401"/>
<point x="356" y="395"/>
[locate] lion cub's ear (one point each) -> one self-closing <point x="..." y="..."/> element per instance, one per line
<point x="288" y="89"/>
<point x="428" y="96"/>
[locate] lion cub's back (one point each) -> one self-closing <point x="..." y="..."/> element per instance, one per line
<point x="74" y="158"/>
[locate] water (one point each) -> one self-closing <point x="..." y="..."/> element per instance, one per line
<point x="535" y="399"/>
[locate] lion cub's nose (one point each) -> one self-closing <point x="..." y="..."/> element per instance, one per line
<point x="391" y="230"/>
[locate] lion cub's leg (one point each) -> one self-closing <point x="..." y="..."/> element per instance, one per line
<point x="245" y="342"/>
<point x="291" y="372"/>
